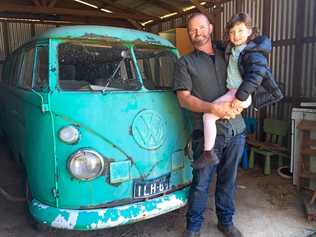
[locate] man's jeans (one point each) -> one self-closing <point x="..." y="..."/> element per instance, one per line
<point x="229" y="150"/>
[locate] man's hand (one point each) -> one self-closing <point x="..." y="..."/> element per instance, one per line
<point x="224" y="110"/>
<point x="220" y="109"/>
<point x="236" y="103"/>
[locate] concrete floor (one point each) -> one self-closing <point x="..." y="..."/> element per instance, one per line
<point x="267" y="206"/>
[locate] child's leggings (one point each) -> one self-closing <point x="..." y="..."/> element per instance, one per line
<point x="209" y="120"/>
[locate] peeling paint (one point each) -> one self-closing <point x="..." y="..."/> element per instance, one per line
<point x="107" y="217"/>
<point x="170" y="203"/>
<point x="143" y="212"/>
<point x="109" y="223"/>
<point x="61" y="222"/>
<point x="40" y="205"/>
<point x="101" y="213"/>
<point x="104" y="33"/>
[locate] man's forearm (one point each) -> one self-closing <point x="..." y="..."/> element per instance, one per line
<point x="194" y="104"/>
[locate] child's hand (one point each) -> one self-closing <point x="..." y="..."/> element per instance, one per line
<point x="236" y="104"/>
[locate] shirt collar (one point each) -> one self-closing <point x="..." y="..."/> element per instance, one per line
<point x="237" y="50"/>
<point x="199" y="52"/>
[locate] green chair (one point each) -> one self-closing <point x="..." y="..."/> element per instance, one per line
<point x="276" y="132"/>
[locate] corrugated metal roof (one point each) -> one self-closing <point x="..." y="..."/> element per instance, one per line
<point x="126" y="13"/>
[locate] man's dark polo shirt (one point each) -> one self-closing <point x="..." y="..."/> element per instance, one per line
<point x="206" y="80"/>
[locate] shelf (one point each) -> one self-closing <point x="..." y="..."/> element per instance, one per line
<point x="267" y="146"/>
<point x="307" y="125"/>
<point x="310" y="142"/>
<point x="308" y="152"/>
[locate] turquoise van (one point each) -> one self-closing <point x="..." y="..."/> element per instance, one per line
<point x="90" y="114"/>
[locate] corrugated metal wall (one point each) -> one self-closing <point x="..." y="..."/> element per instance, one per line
<point x="229" y="9"/>
<point x="309" y="70"/>
<point x="282" y="32"/>
<point x="41" y="28"/>
<point x="309" y="50"/>
<point x="2" y="51"/>
<point x="18" y="34"/>
<point x="255" y="9"/>
<point x="13" y="35"/>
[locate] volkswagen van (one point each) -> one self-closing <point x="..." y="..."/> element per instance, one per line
<point x="90" y="114"/>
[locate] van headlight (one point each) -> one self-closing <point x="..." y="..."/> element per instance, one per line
<point x="86" y="164"/>
<point x="69" y="134"/>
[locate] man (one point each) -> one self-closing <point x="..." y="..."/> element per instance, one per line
<point x="200" y="78"/>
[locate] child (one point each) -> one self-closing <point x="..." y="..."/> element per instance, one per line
<point x="247" y="70"/>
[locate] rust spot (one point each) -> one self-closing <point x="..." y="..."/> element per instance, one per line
<point x="103" y="37"/>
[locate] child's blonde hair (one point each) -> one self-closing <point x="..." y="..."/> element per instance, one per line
<point x="241" y="18"/>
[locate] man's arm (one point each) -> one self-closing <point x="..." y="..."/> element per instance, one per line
<point x="193" y="103"/>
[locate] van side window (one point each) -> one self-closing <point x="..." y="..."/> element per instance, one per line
<point x="15" y="69"/>
<point x="25" y="79"/>
<point x="41" y="69"/>
<point x="156" y="66"/>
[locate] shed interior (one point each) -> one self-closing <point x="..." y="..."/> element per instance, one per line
<point x="291" y="24"/>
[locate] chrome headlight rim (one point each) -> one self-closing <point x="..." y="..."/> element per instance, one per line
<point x="70" y="126"/>
<point x="86" y="150"/>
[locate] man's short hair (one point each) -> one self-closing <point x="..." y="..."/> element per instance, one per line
<point x="195" y="14"/>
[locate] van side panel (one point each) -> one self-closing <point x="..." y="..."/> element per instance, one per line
<point x="31" y="137"/>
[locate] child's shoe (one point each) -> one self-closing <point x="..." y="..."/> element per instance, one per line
<point x="206" y="159"/>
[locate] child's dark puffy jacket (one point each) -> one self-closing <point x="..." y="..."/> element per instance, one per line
<point x="255" y="71"/>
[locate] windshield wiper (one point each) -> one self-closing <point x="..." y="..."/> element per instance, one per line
<point x="124" y="55"/>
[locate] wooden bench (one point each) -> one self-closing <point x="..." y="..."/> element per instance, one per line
<point x="276" y="132"/>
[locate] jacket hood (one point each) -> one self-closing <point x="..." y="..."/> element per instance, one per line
<point x="260" y="43"/>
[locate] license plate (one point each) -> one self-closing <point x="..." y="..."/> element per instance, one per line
<point x="143" y="189"/>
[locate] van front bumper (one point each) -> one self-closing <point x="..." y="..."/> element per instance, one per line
<point x="107" y="217"/>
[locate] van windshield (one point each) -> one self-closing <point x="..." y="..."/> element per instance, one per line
<point x="95" y="67"/>
<point x="156" y="66"/>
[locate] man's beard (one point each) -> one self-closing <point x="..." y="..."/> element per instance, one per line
<point x="200" y="42"/>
